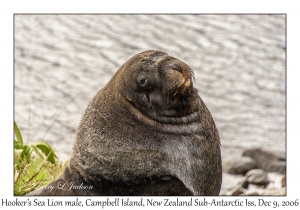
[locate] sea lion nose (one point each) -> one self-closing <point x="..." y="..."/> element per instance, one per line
<point x="176" y="66"/>
<point x="181" y="67"/>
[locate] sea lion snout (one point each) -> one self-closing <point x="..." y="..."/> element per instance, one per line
<point x="186" y="73"/>
<point x="181" y="67"/>
<point x="179" y="78"/>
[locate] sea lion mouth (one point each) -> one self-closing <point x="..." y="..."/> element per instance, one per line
<point x="185" y="88"/>
<point x="166" y="117"/>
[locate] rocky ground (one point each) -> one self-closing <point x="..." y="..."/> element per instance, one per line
<point x="256" y="172"/>
<point x="61" y="61"/>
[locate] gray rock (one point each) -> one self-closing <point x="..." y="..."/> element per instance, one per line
<point x="267" y="161"/>
<point x="257" y="177"/>
<point x="245" y="184"/>
<point x="242" y="166"/>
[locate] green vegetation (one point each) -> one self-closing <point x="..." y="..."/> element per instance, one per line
<point x="35" y="165"/>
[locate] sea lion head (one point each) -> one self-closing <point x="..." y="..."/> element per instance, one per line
<point x="158" y="85"/>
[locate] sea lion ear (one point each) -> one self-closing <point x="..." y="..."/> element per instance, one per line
<point x="142" y="81"/>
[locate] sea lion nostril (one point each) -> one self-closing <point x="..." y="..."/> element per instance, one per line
<point x="176" y="66"/>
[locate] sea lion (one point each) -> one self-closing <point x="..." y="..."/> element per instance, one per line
<point x="147" y="132"/>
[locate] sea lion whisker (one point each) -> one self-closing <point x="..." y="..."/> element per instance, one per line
<point x="128" y="98"/>
<point x="175" y="93"/>
<point x="147" y="96"/>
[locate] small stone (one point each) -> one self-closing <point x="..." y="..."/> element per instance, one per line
<point x="257" y="177"/>
<point x="237" y="191"/>
<point x="245" y="184"/>
<point x="283" y="181"/>
<point x="242" y="166"/>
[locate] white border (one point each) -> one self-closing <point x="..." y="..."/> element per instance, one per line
<point x="8" y="8"/>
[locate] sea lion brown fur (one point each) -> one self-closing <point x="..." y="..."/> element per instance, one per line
<point x="147" y="132"/>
